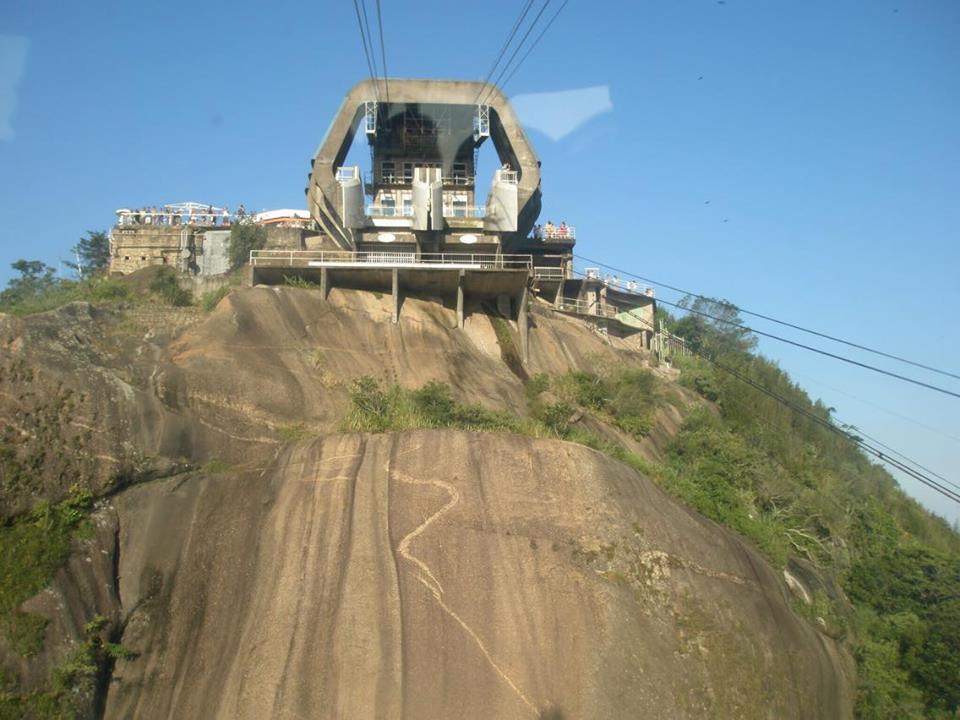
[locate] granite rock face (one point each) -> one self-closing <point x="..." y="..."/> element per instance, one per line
<point x="428" y="574"/>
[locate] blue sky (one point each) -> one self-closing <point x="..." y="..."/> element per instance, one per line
<point x="823" y="134"/>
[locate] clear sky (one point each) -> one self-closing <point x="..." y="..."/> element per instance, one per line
<point x="800" y="159"/>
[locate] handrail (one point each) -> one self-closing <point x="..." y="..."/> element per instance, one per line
<point x="126" y="218"/>
<point x="347" y="258"/>
<point x="583" y="308"/>
<point x="548" y="273"/>
<point x="388" y="211"/>
<point x="555" y="232"/>
<point x="464" y="211"/>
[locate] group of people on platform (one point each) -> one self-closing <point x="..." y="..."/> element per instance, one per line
<point x="165" y="215"/>
<point x="552" y="232"/>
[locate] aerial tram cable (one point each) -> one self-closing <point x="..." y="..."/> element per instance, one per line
<point x="810" y="348"/>
<point x="383" y="54"/>
<point x="534" y="45"/>
<point x="857" y="431"/>
<point x="858" y="441"/>
<point x="779" y="322"/>
<point x="373" y="52"/>
<point x="866" y="447"/>
<point x="366" y="50"/>
<point x="503" y="50"/>
<point x="532" y="25"/>
<point x="803" y="346"/>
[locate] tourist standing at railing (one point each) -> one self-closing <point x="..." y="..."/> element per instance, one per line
<point x="549" y="229"/>
<point x="226" y="217"/>
<point x="241" y="212"/>
<point x="563" y="230"/>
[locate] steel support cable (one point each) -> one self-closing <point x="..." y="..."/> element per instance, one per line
<point x="779" y="322"/>
<point x="373" y="52"/>
<point x="903" y="457"/>
<point x="534" y="45"/>
<point x="530" y="28"/>
<point x="383" y="54"/>
<point x="825" y="353"/>
<point x="503" y="50"/>
<point x="932" y="484"/>
<point x="366" y="50"/>
<point x="866" y="447"/>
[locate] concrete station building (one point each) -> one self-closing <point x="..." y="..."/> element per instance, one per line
<point x="421" y="221"/>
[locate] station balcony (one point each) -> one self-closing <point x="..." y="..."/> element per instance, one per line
<point x="389" y="211"/>
<point x="558" y="233"/>
<point x="465" y="211"/>
<point x="389" y="259"/>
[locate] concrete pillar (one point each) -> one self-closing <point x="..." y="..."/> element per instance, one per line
<point x="324" y="283"/>
<point x="396" y="296"/>
<point x="460" y="299"/>
<point x="522" y="325"/>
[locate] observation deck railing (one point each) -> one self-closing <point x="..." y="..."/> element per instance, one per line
<point x="388" y="259"/>
<point x="582" y="308"/>
<point x="567" y="232"/>
<point x="389" y="211"/>
<point x="548" y="273"/>
<point x="465" y="211"/>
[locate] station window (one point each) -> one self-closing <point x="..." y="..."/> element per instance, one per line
<point x="387" y="170"/>
<point x="388" y="204"/>
<point x="407" y="205"/>
<point x="408" y="172"/>
<point x="459" y="171"/>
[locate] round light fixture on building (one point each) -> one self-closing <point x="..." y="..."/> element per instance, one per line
<point x="386" y="237"/>
<point x="468" y="239"/>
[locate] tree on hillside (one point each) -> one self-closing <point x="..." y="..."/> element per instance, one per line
<point x="93" y="253"/>
<point x="713" y="326"/>
<point x="244" y="237"/>
<point x="36" y="277"/>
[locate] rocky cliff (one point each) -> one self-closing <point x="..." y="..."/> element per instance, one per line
<point x="254" y="562"/>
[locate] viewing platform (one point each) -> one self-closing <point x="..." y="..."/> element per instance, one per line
<point x="474" y="275"/>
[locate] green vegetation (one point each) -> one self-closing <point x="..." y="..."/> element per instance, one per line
<point x="623" y="396"/>
<point x="299" y="282"/>
<point x="375" y="408"/>
<point x="244" y="237"/>
<point x="32" y="549"/>
<point x="72" y="685"/>
<point x="209" y="300"/>
<point x="92" y="253"/>
<point x="37" y="289"/>
<point x="508" y="348"/>
<point x="166" y="286"/>
<point x="794" y="487"/>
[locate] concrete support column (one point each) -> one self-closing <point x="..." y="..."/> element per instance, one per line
<point x="324" y="283"/>
<point x="522" y="325"/>
<point x="396" y="296"/>
<point x="460" y="299"/>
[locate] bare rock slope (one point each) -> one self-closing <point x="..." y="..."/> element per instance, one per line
<point x="430" y="574"/>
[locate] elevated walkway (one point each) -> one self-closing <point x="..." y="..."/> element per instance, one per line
<point x="480" y="276"/>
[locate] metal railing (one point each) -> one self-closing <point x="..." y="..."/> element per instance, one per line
<point x="555" y="232"/>
<point x="389" y="211"/>
<point x="464" y="211"/>
<point x="460" y="180"/>
<point x="581" y="307"/>
<point x="347" y="258"/>
<point x="511" y="177"/>
<point x="548" y="273"/>
<point x="133" y="218"/>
